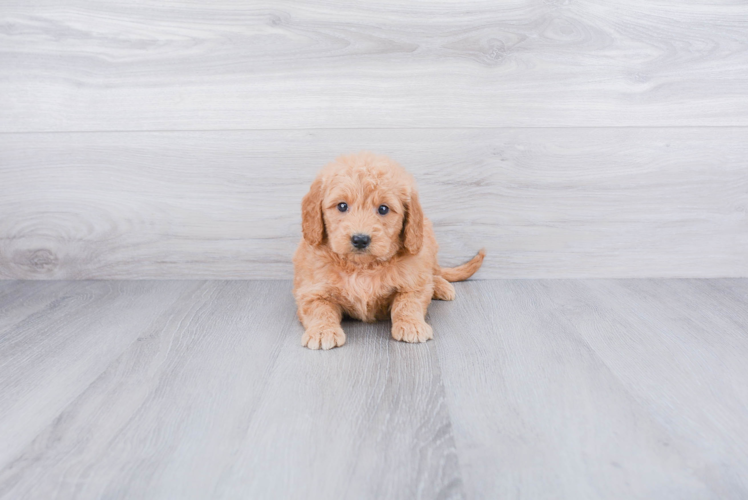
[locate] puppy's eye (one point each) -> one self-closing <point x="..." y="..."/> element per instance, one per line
<point x="343" y="207"/>
<point x="383" y="209"/>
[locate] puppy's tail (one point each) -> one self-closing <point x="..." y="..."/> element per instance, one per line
<point x="463" y="272"/>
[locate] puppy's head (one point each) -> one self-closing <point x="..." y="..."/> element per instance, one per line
<point x="363" y="207"/>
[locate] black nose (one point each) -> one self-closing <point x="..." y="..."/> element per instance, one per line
<point x="360" y="241"/>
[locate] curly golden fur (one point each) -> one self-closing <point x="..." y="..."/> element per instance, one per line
<point x="396" y="274"/>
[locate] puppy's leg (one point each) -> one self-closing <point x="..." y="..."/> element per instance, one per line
<point x="443" y="289"/>
<point x="408" y="311"/>
<point x="321" y="319"/>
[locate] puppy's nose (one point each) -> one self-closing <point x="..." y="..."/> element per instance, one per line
<point x="360" y="241"/>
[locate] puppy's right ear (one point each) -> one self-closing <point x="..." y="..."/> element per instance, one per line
<point x="312" y="225"/>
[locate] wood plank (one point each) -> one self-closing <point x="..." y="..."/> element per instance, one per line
<point x="58" y="340"/>
<point x="218" y="399"/>
<point x="162" y="401"/>
<point x="597" y="389"/>
<point x="531" y="389"/>
<point x="365" y="421"/>
<point x="546" y="203"/>
<point x="21" y="299"/>
<point x="679" y="347"/>
<point x="89" y="65"/>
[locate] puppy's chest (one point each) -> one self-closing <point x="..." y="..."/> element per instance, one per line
<point x="366" y="296"/>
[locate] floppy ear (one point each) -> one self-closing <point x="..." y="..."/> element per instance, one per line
<point x="312" y="225"/>
<point x="413" y="225"/>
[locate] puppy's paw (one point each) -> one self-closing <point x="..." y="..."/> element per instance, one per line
<point x="443" y="289"/>
<point x="324" y="338"/>
<point x="412" y="331"/>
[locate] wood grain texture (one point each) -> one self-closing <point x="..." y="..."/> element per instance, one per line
<point x="598" y="389"/>
<point x="546" y="203"/>
<point x="367" y="421"/>
<point x="679" y="347"/>
<point x="214" y="397"/>
<point x="531" y="389"/>
<point x="85" y="65"/>
<point x="57" y="340"/>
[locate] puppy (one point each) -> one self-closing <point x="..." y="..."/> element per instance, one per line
<point x="368" y="252"/>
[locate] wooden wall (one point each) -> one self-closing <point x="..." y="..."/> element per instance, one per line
<point x="158" y="139"/>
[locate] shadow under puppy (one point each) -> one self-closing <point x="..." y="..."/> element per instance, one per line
<point x="368" y="252"/>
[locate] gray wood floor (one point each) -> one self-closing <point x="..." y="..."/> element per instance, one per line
<point x="531" y="389"/>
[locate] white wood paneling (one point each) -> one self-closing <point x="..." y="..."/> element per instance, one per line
<point x="621" y="202"/>
<point x="84" y="65"/>
<point x="218" y="114"/>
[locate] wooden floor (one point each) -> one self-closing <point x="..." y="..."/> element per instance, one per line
<point x="531" y="389"/>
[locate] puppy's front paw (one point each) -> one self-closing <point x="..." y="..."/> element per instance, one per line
<point x="325" y="338"/>
<point x="412" y="331"/>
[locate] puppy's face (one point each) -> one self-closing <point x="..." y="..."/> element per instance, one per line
<point x="366" y="209"/>
<point x="363" y="217"/>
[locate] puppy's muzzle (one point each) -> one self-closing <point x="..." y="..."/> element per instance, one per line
<point x="360" y="241"/>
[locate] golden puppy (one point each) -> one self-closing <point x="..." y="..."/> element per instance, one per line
<point x="368" y="252"/>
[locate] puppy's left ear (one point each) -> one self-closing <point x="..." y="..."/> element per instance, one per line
<point x="413" y="225"/>
<point x="312" y="225"/>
